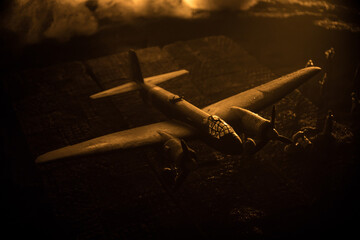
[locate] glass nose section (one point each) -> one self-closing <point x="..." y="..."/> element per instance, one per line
<point x="218" y="128"/>
<point x="226" y="138"/>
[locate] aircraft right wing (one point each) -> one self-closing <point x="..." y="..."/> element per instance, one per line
<point x="264" y="95"/>
<point x="130" y="138"/>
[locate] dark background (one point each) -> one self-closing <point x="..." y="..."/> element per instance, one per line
<point x="281" y="44"/>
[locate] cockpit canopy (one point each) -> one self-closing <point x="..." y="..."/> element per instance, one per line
<point x="218" y="127"/>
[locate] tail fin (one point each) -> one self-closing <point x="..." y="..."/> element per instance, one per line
<point x="135" y="70"/>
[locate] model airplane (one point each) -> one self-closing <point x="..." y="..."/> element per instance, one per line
<point x="220" y="125"/>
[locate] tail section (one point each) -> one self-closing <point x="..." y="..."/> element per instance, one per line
<point x="136" y="78"/>
<point x="135" y="70"/>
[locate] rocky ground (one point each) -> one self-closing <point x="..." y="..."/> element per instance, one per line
<point x="273" y="194"/>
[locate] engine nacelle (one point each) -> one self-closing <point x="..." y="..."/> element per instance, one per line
<point x="181" y="157"/>
<point x="178" y="152"/>
<point x="251" y="124"/>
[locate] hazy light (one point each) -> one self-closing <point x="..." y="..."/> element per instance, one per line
<point x="34" y="20"/>
<point x="220" y="4"/>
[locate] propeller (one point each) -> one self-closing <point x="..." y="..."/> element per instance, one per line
<point x="188" y="161"/>
<point x="271" y="133"/>
<point x="185" y="160"/>
<point x="273" y="115"/>
<point x="188" y="164"/>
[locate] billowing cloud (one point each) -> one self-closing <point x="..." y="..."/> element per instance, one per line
<point x="34" y="20"/>
<point x="221" y="4"/>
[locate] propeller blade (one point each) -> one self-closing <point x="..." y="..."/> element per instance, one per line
<point x="184" y="147"/>
<point x="274" y="135"/>
<point x="273" y="114"/>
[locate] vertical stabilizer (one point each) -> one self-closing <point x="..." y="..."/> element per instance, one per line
<point x="135" y="70"/>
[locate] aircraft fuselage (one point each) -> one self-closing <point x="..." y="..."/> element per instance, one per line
<point x="215" y="131"/>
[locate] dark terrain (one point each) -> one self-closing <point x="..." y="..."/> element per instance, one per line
<point x="269" y="195"/>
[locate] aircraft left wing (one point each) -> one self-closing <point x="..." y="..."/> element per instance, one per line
<point x="130" y="138"/>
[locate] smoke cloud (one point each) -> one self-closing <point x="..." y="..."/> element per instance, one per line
<point x="35" y="20"/>
<point x="212" y="5"/>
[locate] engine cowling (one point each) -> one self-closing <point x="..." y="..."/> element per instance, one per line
<point x="251" y="124"/>
<point x="254" y="126"/>
<point x="182" y="158"/>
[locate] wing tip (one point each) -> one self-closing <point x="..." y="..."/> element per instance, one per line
<point x="42" y="159"/>
<point x="94" y="96"/>
<point x="60" y="153"/>
<point x="314" y="68"/>
<point x="47" y="157"/>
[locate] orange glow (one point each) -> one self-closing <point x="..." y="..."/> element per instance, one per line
<point x="63" y="19"/>
<point x="220" y="4"/>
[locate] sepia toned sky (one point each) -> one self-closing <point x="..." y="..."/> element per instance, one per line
<point x="35" y="20"/>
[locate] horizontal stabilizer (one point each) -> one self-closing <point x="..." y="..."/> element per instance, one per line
<point x="164" y="77"/>
<point x="127" y="87"/>
<point x="131" y="86"/>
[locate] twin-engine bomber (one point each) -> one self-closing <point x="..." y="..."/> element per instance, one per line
<point x="219" y="125"/>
